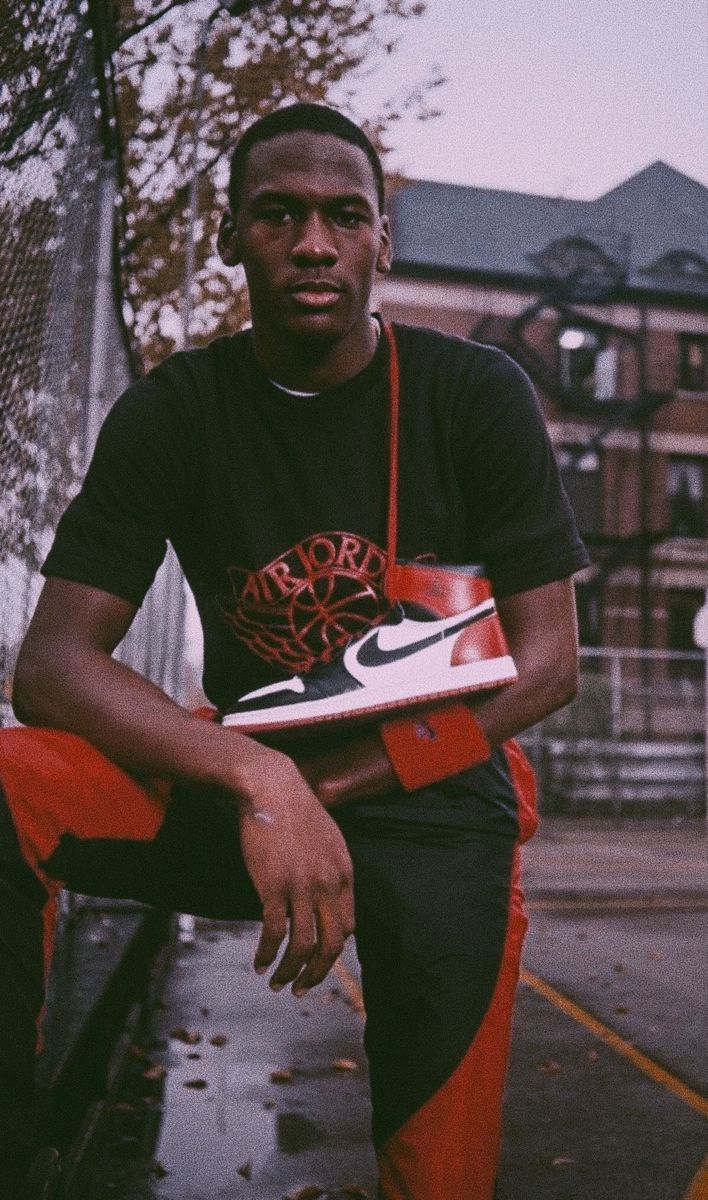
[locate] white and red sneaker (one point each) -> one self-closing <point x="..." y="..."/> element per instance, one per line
<point x="413" y="656"/>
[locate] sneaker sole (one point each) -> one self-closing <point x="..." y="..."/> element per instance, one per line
<point x="473" y="677"/>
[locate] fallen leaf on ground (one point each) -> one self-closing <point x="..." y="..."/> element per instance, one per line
<point x="621" y="1009"/>
<point x="269" y="1104"/>
<point x="619" y="967"/>
<point x="155" y="1073"/>
<point x="245" y="1170"/>
<point x="193" y="1055"/>
<point x="219" y="1039"/>
<point x="188" y="1036"/>
<point x="281" y="1075"/>
<point x="197" y="1084"/>
<point x="344" y="1064"/>
<point x="550" y="1066"/>
<point x="204" y="1010"/>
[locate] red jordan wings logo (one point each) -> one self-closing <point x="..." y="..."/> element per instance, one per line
<point x="309" y="602"/>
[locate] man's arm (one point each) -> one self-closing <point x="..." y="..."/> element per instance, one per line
<point x="541" y="629"/>
<point x="296" y="856"/>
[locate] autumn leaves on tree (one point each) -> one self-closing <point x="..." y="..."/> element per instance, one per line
<point x="189" y="79"/>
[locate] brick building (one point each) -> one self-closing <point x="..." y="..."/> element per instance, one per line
<point x="605" y="304"/>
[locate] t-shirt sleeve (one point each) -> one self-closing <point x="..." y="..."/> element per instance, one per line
<point x="114" y="533"/>
<point x="521" y="525"/>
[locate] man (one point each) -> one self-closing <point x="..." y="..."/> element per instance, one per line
<point x="264" y="460"/>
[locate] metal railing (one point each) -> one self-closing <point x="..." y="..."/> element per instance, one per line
<point x="633" y="741"/>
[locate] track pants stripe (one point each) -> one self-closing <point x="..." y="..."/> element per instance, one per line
<point x="449" y="1148"/>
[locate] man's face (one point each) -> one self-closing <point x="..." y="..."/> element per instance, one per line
<point x="309" y="234"/>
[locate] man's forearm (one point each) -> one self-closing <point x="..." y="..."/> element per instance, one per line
<point x="293" y="851"/>
<point x="131" y="720"/>
<point x="542" y="640"/>
<point x="363" y="770"/>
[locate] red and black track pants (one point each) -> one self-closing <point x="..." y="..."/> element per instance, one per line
<point x="440" y="925"/>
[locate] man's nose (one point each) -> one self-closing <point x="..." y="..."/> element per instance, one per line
<point x="314" y="242"/>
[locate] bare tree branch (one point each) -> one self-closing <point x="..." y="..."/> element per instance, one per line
<point x="134" y="30"/>
<point x="236" y="8"/>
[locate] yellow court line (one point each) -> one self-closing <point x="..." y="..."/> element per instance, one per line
<point x="698" y="1188"/>
<point x="619" y="1044"/>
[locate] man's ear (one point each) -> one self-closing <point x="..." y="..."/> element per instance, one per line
<point x="227" y="241"/>
<point x="385" y="252"/>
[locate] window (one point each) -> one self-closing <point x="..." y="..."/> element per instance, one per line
<point x="589" y="602"/>
<point x="580" y="472"/>
<point x="682" y="605"/>
<point x="693" y="356"/>
<point x="686" y="495"/>
<point x="679" y="263"/>
<point x="585" y="364"/>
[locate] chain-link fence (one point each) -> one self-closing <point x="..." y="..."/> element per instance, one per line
<point x="64" y="358"/>
<point x="63" y="353"/>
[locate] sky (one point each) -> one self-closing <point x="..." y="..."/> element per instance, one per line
<point x="557" y="97"/>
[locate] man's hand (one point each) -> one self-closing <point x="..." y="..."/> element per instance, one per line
<point x="294" y="852"/>
<point x="301" y="869"/>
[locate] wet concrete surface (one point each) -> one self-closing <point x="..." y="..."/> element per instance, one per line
<point x="643" y="972"/>
<point x="238" y="1092"/>
<point x="581" y="1121"/>
<point x="202" y="1116"/>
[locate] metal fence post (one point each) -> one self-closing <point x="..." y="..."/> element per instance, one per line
<point x="616" y="697"/>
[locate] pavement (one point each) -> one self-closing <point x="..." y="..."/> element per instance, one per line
<point x="604" y="860"/>
<point x="232" y="1092"/>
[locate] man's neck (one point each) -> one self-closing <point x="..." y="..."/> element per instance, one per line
<point x="313" y="365"/>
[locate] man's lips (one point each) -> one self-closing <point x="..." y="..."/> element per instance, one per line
<point x="315" y="294"/>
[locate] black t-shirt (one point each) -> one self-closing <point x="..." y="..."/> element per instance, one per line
<point x="276" y="504"/>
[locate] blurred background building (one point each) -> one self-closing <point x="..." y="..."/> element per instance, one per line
<point x="605" y="304"/>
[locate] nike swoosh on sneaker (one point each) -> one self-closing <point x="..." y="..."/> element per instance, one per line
<point x="371" y="654"/>
<point x="403" y="661"/>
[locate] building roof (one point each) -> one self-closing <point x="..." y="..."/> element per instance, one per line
<point x="654" y="225"/>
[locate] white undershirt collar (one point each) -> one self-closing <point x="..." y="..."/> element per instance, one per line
<point x="311" y="395"/>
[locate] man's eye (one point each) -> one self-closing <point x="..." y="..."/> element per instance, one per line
<point x="349" y="218"/>
<point x="276" y="214"/>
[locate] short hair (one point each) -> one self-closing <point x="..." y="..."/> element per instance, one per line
<point x="317" y="118"/>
